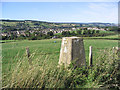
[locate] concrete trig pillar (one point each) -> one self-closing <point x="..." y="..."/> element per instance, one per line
<point x="72" y="49"/>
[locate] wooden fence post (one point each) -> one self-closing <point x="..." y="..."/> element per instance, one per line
<point x="28" y="55"/>
<point x="27" y="52"/>
<point x="90" y="56"/>
<point x="113" y="52"/>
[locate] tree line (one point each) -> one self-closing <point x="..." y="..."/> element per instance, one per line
<point x="39" y="36"/>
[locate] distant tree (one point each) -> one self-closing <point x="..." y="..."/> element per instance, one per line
<point x="113" y="28"/>
<point x="50" y="33"/>
<point x="85" y="29"/>
<point x="89" y="32"/>
<point x="40" y="34"/>
<point x="79" y="32"/>
<point x="13" y="36"/>
<point x="66" y="33"/>
<point x="84" y="32"/>
<point x="35" y="33"/>
<point x="73" y="33"/>
<point x="36" y="23"/>
<point x="27" y="33"/>
<point x="21" y="37"/>
<point x="32" y="38"/>
<point x="93" y="32"/>
<point x="4" y="38"/>
<point x="97" y="31"/>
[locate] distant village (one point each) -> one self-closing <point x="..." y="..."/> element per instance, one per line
<point x="45" y="31"/>
<point x="18" y="28"/>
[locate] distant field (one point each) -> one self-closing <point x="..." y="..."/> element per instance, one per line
<point x="11" y="50"/>
<point x="106" y="31"/>
<point x="83" y="30"/>
<point x="112" y="37"/>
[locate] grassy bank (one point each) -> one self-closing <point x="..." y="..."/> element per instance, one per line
<point x="44" y="57"/>
<point x="12" y="49"/>
<point x="110" y="37"/>
<point x="41" y="72"/>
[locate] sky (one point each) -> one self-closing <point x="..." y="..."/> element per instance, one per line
<point x="84" y="12"/>
<point x="60" y="0"/>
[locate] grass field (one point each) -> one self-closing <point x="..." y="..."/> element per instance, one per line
<point x="112" y="37"/>
<point x="13" y="51"/>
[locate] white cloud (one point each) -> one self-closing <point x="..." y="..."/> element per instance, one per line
<point x="103" y="12"/>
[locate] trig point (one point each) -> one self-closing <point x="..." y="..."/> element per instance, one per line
<point x="72" y="50"/>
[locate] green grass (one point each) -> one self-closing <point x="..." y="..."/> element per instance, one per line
<point x="47" y="47"/>
<point x="5" y="41"/>
<point x="40" y="73"/>
<point x="106" y="31"/>
<point x="109" y="37"/>
<point x="14" y="53"/>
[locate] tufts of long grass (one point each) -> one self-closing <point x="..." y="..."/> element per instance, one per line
<point x="106" y="72"/>
<point x="38" y="73"/>
<point x="41" y="72"/>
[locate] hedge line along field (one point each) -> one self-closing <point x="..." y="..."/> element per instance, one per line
<point x="11" y="50"/>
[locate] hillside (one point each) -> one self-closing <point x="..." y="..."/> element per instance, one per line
<point x="16" y="25"/>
